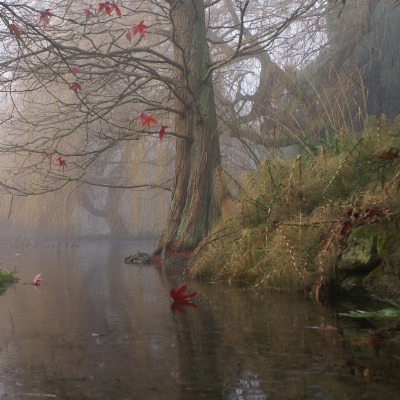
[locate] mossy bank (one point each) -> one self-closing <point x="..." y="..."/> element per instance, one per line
<point x="324" y="222"/>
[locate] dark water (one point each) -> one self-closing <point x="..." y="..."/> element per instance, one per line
<point x="101" y="329"/>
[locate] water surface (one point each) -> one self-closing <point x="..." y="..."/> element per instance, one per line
<point x="101" y="329"/>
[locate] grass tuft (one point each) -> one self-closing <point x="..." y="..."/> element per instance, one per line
<point x="7" y="278"/>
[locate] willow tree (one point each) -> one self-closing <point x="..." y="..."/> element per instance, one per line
<point x="79" y="79"/>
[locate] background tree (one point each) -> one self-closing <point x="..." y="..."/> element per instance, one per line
<point x="331" y="69"/>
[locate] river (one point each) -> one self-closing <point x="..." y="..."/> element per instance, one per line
<point x="101" y="329"/>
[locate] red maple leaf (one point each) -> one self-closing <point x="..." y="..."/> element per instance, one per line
<point x="117" y="10"/>
<point x="179" y="294"/>
<point x="61" y="162"/>
<point x="146" y="119"/>
<point x="88" y="13"/>
<point x="45" y="17"/>
<point x="162" y="132"/>
<point x="74" y="69"/>
<point x="36" y="280"/>
<point x="139" y="28"/>
<point x="105" y="7"/>
<point x="108" y="7"/>
<point x="14" y="30"/>
<point x="75" y="86"/>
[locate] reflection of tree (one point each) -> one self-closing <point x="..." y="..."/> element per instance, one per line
<point x="256" y="346"/>
<point x="199" y="343"/>
<point x="244" y="385"/>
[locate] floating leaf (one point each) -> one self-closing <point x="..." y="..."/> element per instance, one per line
<point x="179" y="294"/>
<point x="36" y="280"/>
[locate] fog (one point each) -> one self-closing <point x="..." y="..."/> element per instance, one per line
<point x="77" y="163"/>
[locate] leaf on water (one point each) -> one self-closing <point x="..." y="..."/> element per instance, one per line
<point x="36" y="279"/>
<point x="328" y="328"/>
<point x="179" y="294"/>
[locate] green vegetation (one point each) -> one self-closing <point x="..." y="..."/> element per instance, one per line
<point x="291" y="217"/>
<point x="389" y="316"/>
<point x="6" y="278"/>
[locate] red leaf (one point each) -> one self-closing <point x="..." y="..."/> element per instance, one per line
<point x="345" y="227"/>
<point x="14" y="30"/>
<point x="370" y="212"/>
<point x="146" y="119"/>
<point x="117" y="10"/>
<point x="36" y="280"/>
<point x="101" y="7"/>
<point x="129" y="34"/>
<point x="88" y="13"/>
<point x="74" y="69"/>
<point x="61" y="162"/>
<point x="389" y="154"/>
<point x="162" y="131"/>
<point x="108" y="7"/>
<point x="139" y="28"/>
<point x="45" y="17"/>
<point x="179" y="294"/>
<point x="75" y="86"/>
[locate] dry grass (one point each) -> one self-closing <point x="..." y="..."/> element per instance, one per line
<point x="282" y="237"/>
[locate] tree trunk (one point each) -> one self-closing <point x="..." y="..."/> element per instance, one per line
<point x="193" y="209"/>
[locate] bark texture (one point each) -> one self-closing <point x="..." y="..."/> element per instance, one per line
<point x="193" y="207"/>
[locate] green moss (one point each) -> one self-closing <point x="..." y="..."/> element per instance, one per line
<point x="360" y="252"/>
<point x="388" y="243"/>
<point x="388" y="317"/>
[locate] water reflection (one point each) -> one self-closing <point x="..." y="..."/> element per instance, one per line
<point x="102" y="329"/>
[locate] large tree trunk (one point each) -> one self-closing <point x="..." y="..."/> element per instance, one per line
<point x="193" y="208"/>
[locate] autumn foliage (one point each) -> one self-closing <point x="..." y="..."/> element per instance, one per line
<point x="181" y="300"/>
<point x="179" y="294"/>
<point x="136" y="29"/>
<point x="108" y="7"/>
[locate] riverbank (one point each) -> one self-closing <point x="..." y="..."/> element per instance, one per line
<point x="325" y="222"/>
